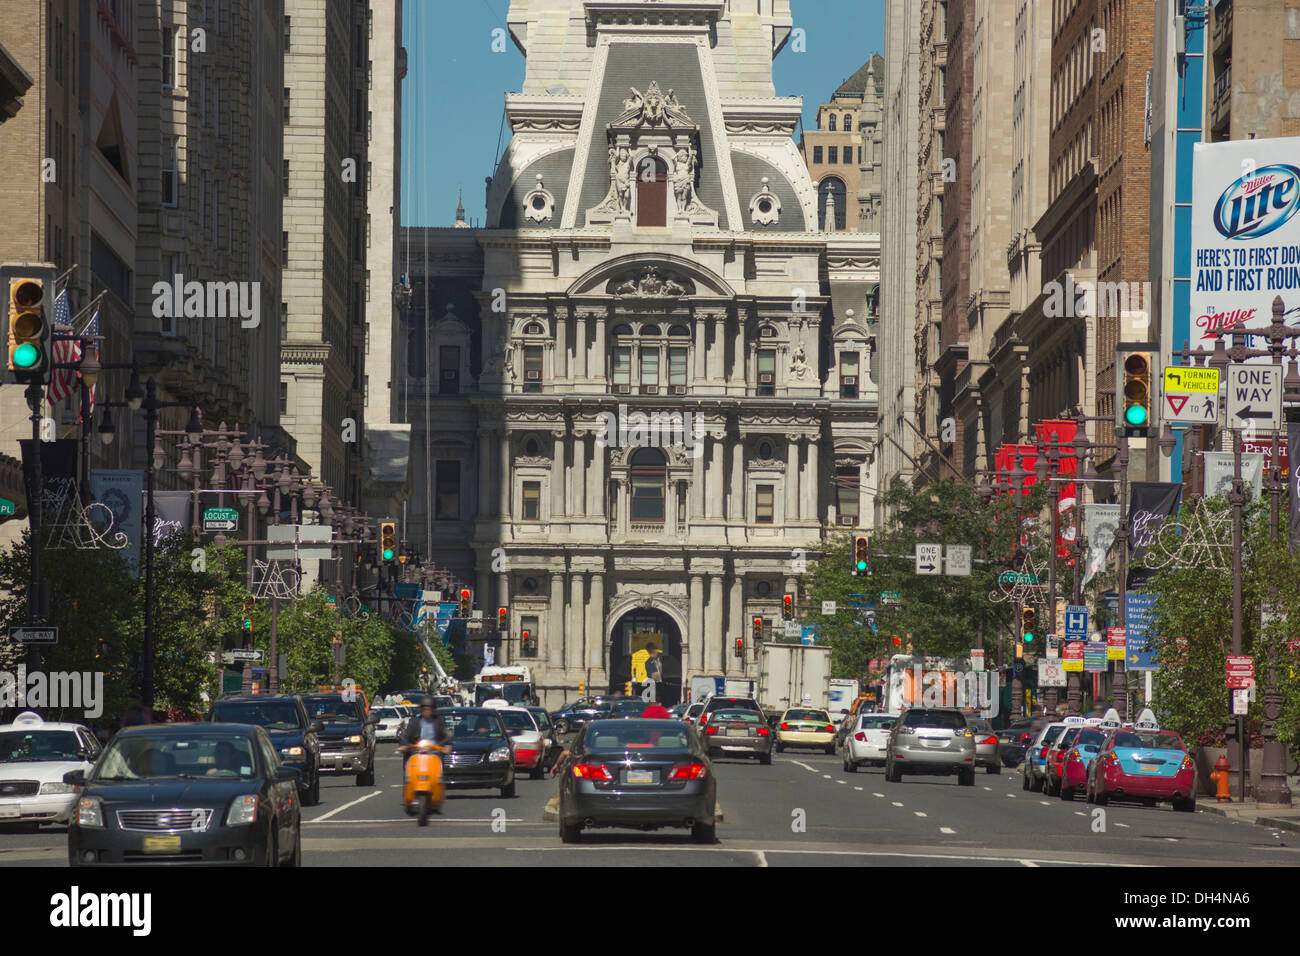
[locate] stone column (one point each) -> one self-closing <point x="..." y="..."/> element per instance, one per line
<point x="697" y="482"/>
<point x="557" y="475"/>
<point x="701" y="349"/>
<point x="503" y="600"/>
<point x="595" y="638"/>
<point x="483" y="503"/>
<point x="791" y="479"/>
<point x="560" y="321"/>
<point x="738" y="358"/>
<point x="713" y="476"/>
<point x="736" y="500"/>
<point x="554" y="650"/>
<point x="814" y="481"/>
<point x="503" y="474"/>
<point x="624" y="502"/>
<point x="578" y="475"/>
<point x="713" y="622"/>
<point x="717" y="346"/>
<point x="696" y="623"/>
<point x="574" y="627"/>
<point x="580" y="344"/>
<point x="598" y="490"/>
<point x="600" y="359"/>
<point x="736" y="623"/>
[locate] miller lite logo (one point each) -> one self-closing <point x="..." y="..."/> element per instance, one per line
<point x="1257" y="203"/>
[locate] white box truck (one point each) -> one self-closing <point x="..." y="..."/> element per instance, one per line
<point x="793" y="674"/>
<point x="843" y="692"/>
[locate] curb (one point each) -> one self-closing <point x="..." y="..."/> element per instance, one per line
<point x="551" y="812"/>
<point x="1250" y="815"/>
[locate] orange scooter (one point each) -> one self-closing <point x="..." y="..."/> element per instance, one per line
<point x="423" y="791"/>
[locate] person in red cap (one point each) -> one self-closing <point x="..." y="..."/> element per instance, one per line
<point x="656" y="711"/>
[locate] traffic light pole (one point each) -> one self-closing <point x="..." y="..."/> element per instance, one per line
<point x="35" y="588"/>
<point x="1119" y="685"/>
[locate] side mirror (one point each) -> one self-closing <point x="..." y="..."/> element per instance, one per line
<point x="372" y="720"/>
<point x="285" y="774"/>
<point x="317" y="727"/>
<point x="75" y="777"/>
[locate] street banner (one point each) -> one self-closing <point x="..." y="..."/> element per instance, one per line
<point x="1218" y="474"/>
<point x="1150" y="503"/>
<point x="1094" y="657"/>
<point x="1100" y="522"/>
<point x="58" y="472"/>
<point x="1293" y="507"/>
<point x="121" y="492"/>
<point x="1264" y="446"/>
<point x="1072" y="656"/>
<point x="1064" y="431"/>
<point x="1245" y="236"/>
<point x="172" y="514"/>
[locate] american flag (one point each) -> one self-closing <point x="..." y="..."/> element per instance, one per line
<point x="63" y="380"/>
<point x="92" y="328"/>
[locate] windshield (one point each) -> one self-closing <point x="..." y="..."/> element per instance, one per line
<point x="540" y="715"/>
<point x="980" y="724"/>
<point x="140" y="757"/>
<point x="748" y="716"/>
<point x="629" y="707"/>
<point x="1067" y="738"/>
<point x="517" y="720"/>
<point x="818" y="715"/>
<point x="273" y="715"/>
<point x="876" y="723"/>
<point x="388" y="713"/>
<point x="1094" y="737"/>
<point x="28" y="746"/>
<point x="334" y="709"/>
<point x="1051" y="734"/>
<point x="515" y="693"/>
<point x="637" y="734"/>
<point x="473" y="726"/>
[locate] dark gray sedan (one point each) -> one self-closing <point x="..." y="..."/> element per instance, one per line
<point x="738" y="733"/>
<point x="638" y="774"/>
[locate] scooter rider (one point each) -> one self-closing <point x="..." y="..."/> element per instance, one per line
<point x="428" y="726"/>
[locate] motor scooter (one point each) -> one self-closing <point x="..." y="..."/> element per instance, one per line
<point x="423" y="790"/>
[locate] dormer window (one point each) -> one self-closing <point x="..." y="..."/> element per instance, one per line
<point x="652" y="192"/>
<point x="767" y="332"/>
<point x="533" y="328"/>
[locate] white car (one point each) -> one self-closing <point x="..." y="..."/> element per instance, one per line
<point x="34" y="756"/>
<point x="529" y="740"/>
<point x="391" y="723"/>
<point x="867" y="739"/>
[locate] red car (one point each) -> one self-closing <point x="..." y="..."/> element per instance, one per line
<point x="1076" y="761"/>
<point x="1144" y="765"/>
<point x="1053" y="769"/>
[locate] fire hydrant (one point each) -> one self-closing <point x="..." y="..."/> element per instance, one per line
<point x="1220" y="778"/>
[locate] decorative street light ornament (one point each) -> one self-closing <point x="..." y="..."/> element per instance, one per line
<point x="1201" y="539"/>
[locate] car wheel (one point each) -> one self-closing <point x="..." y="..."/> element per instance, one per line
<point x="570" y="832"/>
<point x="1067" y="793"/>
<point x="830" y="749"/>
<point x="995" y="768"/>
<point x="704" y="833"/>
<point x="966" y="778"/>
<point x="1036" y="785"/>
<point x="367" y="777"/>
<point x="295" y="861"/>
<point x="508" y="790"/>
<point x="313" y="795"/>
<point x="765" y="759"/>
<point x="1024" y="780"/>
<point x="1185" y="806"/>
<point x="561" y="726"/>
<point x="272" y="848"/>
<point x="780" y="747"/>
<point x="536" y="772"/>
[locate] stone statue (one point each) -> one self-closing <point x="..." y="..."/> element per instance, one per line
<point x="683" y="178"/>
<point x="798" y="365"/>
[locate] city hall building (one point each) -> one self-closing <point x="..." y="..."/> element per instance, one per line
<point x="643" y="395"/>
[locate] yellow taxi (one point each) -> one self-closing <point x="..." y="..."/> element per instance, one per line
<point x="806" y="727"/>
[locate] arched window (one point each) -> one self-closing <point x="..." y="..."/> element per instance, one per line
<point x="649" y="330"/>
<point x="651" y="192"/>
<point x="622" y="330"/>
<point x="679" y="330"/>
<point x="832" y="186"/>
<point x="831" y="120"/>
<point x="648" y="471"/>
<point x="533" y="328"/>
<point x="848" y="122"/>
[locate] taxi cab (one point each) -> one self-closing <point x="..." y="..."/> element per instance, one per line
<point x="806" y="727"/>
<point x="1145" y="764"/>
<point x="35" y="756"/>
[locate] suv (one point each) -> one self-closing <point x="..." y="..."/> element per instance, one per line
<point x="347" y="736"/>
<point x="727" y="703"/>
<point x="931" y="740"/>
<point x="294" y="736"/>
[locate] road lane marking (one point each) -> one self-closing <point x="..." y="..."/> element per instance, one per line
<point x="320" y="819"/>
<point x="1011" y="795"/>
<point x="897" y="804"/>
<point x="877" y="794"/>
<point x="857" y="788"/>
<point x="948" y="830"/>
<point x="1029" y="863"/>
<point x="1080" y="813"/>
<point x="800" y="763"/>
<point x="1124" y="825"/>
<point x="841" y="781"/>
<point x="989" y="789"/>
<point x="919" y="813"/>
<point x="812" y="851"/>
<point x="1046" y="803"/>
<point x="826" y="776"/>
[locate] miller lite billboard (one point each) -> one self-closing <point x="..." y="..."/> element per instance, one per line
<point x="1245" y="236"/>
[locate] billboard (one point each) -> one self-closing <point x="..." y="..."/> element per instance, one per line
<point x="1245" y="236"/>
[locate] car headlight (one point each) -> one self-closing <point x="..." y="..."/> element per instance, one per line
<point x="501" y="753"/>
<point x="243" y="810"/>
<point x="90" y="812"/>
<point x="291" y="752"/>
<point x="354" y="739"/>
<point x="58" y="787"/>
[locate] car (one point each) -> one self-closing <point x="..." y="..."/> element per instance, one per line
<point x="574" y="716"/>
<point x="634" y="707"/>
<point x="528" y="738"/>
<point x="347" y="735"/>
<point x="482" y="754"/>
<point x="638" y="774"/>
<point x="1012" y="742"/>
<point x="805" y="727"/>
<point x="738" y="733"/>
<point x="294" y="735"/>
<point x="729" y="703"/>
<point x="986" y="744"/>
<point x="1078" y="762"/>
<point x="35" y="757"/>
<point x="931" y="740"/>
<point x="207" y="793"/>
<point x="553" y="748"/>
<point x="1143" y="765"/>
<point x="1031" y="770"/>
<point x="1054" y="757"/>
<point x="392" y="721"/>
<point x="849" y="721"/>
<point x="692" y="713"/>
<point x="868" y="740"/>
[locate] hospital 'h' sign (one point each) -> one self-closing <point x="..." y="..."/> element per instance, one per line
<point x="1076" y="622"/>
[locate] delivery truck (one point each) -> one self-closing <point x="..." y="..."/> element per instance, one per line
<point x="790" y="675"/>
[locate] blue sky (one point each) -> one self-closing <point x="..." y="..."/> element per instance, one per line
<point x="453" y="95"/>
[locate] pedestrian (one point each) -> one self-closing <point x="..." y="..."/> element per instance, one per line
<point x="654" y="672"/>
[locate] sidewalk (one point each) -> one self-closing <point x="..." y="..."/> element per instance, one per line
<point x="1280" y="819"/>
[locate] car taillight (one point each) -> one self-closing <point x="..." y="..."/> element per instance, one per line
<point x="830" y="729"/>
<point x="784" y="725"/>
<point x="991" y="740"/>
<point x="764" y="732"/>
<point x="1187" y="764"/>
<point x="710" y="730"/>
<point x="586" y="771"/>
<point x="860" y="736"/>
<point x="1073" y="755"/>
<point x="1024" y="738"/>
<point x="688" y="771"/>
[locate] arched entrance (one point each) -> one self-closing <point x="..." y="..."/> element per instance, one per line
<point x="631" y="638"/>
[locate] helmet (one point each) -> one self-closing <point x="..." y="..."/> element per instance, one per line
<point x="427" y="701"/>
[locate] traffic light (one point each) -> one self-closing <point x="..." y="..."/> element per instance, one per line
<point x="740" y="647"/>
<point x="861" y="555"/>
<point x="898" y="641"/>
<point x="582" y="685"/>
<point x="503" y="621"/>
<point x="1020" y="651"/>
<point x="466" y="602"/>
<point x="1027" y="617"/>
<point x="388" y="540"/>
<point x="787" y="608"/>
<point x="1133" y="400"/>
<point x="758" y="630"/>
<point x="247" y="623"/>
<point x="627" y="689"/>
<point x="31" y="330"/>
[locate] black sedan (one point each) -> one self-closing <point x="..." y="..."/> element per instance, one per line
<point x="482" y="753"/>
<point x="583" y="711"/>
<point x="187" y="793"/>
<point x="638" y="774"/>
<point x="284" y="717"/>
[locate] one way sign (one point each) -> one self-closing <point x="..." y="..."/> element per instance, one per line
<point x="1254" y="397"/>
<point x="928" y="558"/>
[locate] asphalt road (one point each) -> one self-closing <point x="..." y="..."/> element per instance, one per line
<point x="803" y="810"/>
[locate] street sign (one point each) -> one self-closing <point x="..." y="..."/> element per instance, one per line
<point x="977" y="659"/>
<point x="1116" y="643"/>
<point x="1076" y="622"/>
<point x="891" y="597"/>
<point x="793" y="629"/>
<point x="1241" y="671"/>
<point x="1072" y="656"/>
<point x="220" y="519"/>
<point x="810" y="633"/>
<point x="929" y="558"/>
<point x="1190" y="395"/>
<point x="7" y="507"/>
<point x="255" y="656"/>
<point x="1139" y="613"/>
<point x="1255" y="397"/>
<point x="1094" y="657"/>
<point x="958" y="560"/>
<point x="1051" y="673"/>
<point x="1241" y="701"/>
<point x="313" y="542"/>
<point x="1052" y="648"/>
<point x="828" y="608"/>
<point x="1017" y="577"/>
<point x="34" y="635"/>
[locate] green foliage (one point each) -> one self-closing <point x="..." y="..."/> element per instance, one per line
<point x="305" y="634"/>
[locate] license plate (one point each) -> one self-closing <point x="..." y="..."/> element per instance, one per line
<point x="1153" y="769"/>
<point x="737" y="732"/>
<point x="9" y="813"/>
<point x="164" y="844"/>
<point x="641" y="776"/>
<point x="933" y="742"/>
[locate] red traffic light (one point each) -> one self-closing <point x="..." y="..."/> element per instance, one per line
<point x="787" y="607"/>
<point x="897" y="641"/>
<point x="502" y="614"/>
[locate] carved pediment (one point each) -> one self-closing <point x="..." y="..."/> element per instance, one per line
<point x="651" y="282"/>
<point x="653" y="109"/>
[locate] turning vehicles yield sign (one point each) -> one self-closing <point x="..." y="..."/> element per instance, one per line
<point x="1190" y="395"/>
<point x="1254" y="397"/>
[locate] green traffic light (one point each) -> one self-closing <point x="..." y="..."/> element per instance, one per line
<point x="1029" y="638"/>
<point x="389" y="554"/>
<point x="26" y="355"/>
<point x="1135" y="415"/>
<point x="862" y="565"/>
